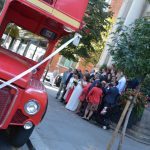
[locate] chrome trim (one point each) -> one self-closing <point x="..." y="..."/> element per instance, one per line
<point x="28" y="122"/>
<point x="12" y="104"/>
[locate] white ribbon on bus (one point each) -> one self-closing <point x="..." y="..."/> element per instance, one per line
<point x="75" y="40"/>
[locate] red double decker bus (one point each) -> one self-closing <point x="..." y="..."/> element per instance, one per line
<point x="29" y="31"/>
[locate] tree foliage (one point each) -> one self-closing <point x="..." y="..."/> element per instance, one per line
<point x="97" y="19"/>
<point x="145" y="86"/>
<point x="12" y="30"/>
<point x="131" y="51"/>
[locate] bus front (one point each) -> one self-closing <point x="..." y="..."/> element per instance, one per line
<point x="29" y="32"/>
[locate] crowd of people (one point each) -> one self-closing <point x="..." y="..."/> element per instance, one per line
<point x="93" y="93"/>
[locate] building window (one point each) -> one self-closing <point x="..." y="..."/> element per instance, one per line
<point x="67" y="63"/>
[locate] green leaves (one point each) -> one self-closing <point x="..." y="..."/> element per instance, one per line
<point x="131" y="51"/>
<point x="12" y="30"/>
<point x="94" y="33"/>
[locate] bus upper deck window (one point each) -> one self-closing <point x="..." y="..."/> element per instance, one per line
<point x="49" y="1"/>
<point x="23" y="42"/>
<point x="2" y="2"/>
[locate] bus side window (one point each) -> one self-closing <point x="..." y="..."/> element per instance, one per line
<point x="2" y="2"/>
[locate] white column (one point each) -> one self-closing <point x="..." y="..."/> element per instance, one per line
<point x="124" y="9"/>
<point x="122" y="14"/>
<point x="110" y="61"/>
<point x="147" y="10"/>
<point x="135" y="11"/>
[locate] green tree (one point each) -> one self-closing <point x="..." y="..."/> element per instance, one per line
<point x="13" y="31"/>
<point x="131" y="52"/>
<point x="145" y="86"/>
<point x="97" y="19"/>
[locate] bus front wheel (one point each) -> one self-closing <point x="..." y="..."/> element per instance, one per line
<point x="19" y="136"/>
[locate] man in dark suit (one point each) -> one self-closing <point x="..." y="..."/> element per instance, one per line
<point x="132" y="84"/>
<point x="97" y="80"/>
<point x="110" y="100"/>
<point x="63" y="84"/>
<point x="67" y="81"/>
<point x="111" y="96"/>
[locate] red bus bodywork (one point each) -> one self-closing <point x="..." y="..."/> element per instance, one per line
<point x="34" y="16"/>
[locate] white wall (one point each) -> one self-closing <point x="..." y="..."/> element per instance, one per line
<point x="130" y="11"/>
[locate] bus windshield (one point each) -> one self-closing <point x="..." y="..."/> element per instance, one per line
<point x="23" y="42"/>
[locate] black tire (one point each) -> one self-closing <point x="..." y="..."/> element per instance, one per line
<point x="19" y="136"/>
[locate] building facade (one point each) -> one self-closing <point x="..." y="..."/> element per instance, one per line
<point x="129" y="12"/>
<point x="61" y="64"/>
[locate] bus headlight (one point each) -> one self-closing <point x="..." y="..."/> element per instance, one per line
<point x="32" y="107"/>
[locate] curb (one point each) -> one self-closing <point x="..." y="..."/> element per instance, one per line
<point x="130" y="136"/>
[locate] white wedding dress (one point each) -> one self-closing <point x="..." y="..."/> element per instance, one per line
<point x="70" y="85"/>
<point x="74" y="99"/>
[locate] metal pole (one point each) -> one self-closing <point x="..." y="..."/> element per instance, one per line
<point x="125" y="127"/>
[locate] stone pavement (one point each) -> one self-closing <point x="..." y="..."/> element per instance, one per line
<point x="64" y="130"/>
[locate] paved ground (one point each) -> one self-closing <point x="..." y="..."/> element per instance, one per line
<point x="64" y="130"/>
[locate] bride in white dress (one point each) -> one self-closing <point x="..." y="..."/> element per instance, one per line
<point x="74" y="99"/>
<point x="71" y="84"/>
